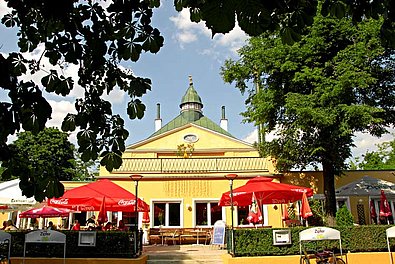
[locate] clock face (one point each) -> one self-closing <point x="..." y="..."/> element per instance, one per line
<point x="190" y="138"/>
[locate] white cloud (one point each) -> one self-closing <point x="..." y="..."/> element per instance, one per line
<point x="188" y="32"/>
<point x="59" y="111"/>
<point x="233" y="40"/>
<point x="4" y="9"/>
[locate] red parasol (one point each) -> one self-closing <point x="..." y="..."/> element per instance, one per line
<point x="255" y="215"/>
<point x="45" y="212"/>
<point x="385" y="209"/>
<point x="285" y="213"/>
<point x="266" y="192"/>
<point x="146" y="218"/>
<point x="305" y="210"/>
<point x="102" y="217"/>
<point x="373" y="214"/>
<point x="89" y="197"/>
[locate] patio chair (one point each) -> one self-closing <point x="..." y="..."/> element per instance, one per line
<point x="174" y="236"/>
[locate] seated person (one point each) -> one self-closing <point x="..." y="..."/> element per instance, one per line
<point x="10" y="226"/>
<point x="51" y="226"/>
<point x="107" y="227"/>
<point x="76" y="226"/>
<point x="121" y="226"/>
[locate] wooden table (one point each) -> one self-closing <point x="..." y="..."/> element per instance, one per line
<point x="197" y="231"/>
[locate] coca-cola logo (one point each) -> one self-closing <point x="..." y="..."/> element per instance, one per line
<point x="123" y="202"/>
<point x="60" y="201"/>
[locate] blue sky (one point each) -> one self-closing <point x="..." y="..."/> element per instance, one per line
<point x="188" y="50"/>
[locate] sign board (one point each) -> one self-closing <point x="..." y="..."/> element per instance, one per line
<point x="6" y="238"/>
<point x="390" y="232"/>
<point x="319" y="233"/>
<point x="87" y="238"/>
<point x="282" y="237"/>
<point x="219" y="233"/>
<point x="45" y="236"/>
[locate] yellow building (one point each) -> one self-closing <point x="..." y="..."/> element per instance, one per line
<point x="184" y="163"/>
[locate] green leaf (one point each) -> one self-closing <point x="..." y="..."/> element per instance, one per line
<point x="111" y="160"/>
<point x="18" y="63"/>
<point x="68" y="123"/>
<point x="9" y="20"/>
<point x="136" y="109"/>
<point x="219" y="16"/>
<point x="51" y="81"/>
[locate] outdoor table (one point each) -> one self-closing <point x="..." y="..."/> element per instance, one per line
<point x="197" y="231"/>
<point x="163" y="234"/>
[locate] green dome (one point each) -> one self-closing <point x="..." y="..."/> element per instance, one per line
<point x="191" y="96"/>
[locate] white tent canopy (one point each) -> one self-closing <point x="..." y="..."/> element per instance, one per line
<point x="11" y="194"/>
<point x="368" y="186"/>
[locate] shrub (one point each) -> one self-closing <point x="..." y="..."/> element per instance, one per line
<point x="344" y="217"/>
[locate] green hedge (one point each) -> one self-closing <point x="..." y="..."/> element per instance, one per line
<point x="259" y="242"/>
<point x="111" y="244"/>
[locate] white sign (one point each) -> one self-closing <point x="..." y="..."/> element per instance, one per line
<point x="45" y="236"/>
<point x="282" y="237"/>
<point x="319" y="233"/>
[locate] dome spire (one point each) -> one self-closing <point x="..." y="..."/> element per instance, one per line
<point x="191" y="100"/>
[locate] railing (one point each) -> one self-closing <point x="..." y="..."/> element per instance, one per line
<point x="192" y="165"/>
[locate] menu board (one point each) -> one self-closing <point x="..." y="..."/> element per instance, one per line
<point x="219" y="233"/>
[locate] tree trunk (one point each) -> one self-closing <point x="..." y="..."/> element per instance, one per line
<point x="329" y="192"/>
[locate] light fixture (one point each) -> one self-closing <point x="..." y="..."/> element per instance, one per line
<point x="231" y="177"/>
<point x="136" y="178"/>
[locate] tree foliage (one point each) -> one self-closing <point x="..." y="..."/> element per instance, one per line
<point x="84" y="170"/>
<point x="315" y="94"/>
<point x="41" y="161"/>
<point x="97" y="36"/>
<point x="382" y="159"/>
<point x="289" y="17"/>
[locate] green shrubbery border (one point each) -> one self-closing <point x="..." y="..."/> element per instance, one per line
<point x="259" y="242"/>
<point x="111" y="244"/>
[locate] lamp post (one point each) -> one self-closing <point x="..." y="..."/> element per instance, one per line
<point x="136" y="178"/>
<point x="231" y="177"/>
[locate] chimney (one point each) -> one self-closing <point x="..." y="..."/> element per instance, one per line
<point x="158" y="120"/>
<point x="224" y="122"/>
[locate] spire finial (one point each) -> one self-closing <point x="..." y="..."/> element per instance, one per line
<point x="190" y="80"/>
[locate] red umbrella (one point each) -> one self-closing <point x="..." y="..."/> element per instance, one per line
<point x="285" y="213"/>
<point x="266" y="192"/>
<point x="45" y="212"/>
<point x="373" y="214"/>
<point x="89" y="197"/>
<point x="146" y="218"/>
<point x="305" y="210"/>
<point x="102" y="217"/>
<point x="255" y="215"/>
<point x="385" y="209"/>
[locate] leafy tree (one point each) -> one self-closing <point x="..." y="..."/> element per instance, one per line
<point x="344" y="217"/>
<point x="382" y="159"/>
<point x="41" y="161"/>
<point x="317" y="93"/>
<point x="99" y="37"/>
<point x="84" y="171"/>
<point x="290" y="17"/>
